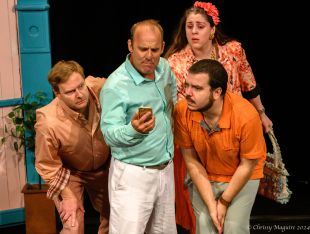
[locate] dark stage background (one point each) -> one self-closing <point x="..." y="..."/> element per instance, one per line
<point x="95" y="34"/>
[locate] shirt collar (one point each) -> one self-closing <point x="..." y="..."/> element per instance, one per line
<point x="76" y="115"/>
<point x="204" y="125"/>
<point x="136" y="76"/>
<point x="73" y="114"/>
<point x="224" y="121"/>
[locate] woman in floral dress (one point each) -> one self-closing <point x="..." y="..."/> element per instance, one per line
<point x="196" y="38"/>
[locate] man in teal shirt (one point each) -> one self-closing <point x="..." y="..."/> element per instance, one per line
<point x="141" y="179"/>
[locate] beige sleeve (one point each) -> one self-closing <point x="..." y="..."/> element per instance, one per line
<point x="95" y="83"/>
<point x="47" y="160"/>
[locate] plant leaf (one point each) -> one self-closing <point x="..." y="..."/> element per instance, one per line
<point x="11" y="114"/>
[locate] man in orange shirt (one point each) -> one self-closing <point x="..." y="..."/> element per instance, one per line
<point x="222" y="142"/>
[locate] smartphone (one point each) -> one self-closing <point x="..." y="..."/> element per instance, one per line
<point x="143" y="110"/>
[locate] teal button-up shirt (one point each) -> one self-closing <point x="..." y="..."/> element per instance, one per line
<point x="122" y="94"/>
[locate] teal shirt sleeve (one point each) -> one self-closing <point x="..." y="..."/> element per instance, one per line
<point x="174" y="87"/>
<point x="116" y="129"/>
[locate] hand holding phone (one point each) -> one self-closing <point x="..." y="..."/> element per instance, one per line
<point x="143" y="110"/>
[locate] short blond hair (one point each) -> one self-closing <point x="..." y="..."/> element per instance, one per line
<point x="61" y="71"/>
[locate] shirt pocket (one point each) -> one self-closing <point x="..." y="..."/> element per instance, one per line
<point x="230" y="148"/>
<point x="228" y="152"/>
<point x="229" y="141"/>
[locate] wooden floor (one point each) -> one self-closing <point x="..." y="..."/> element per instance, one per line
<point x="267" y="216"/>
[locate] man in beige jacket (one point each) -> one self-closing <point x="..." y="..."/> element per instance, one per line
<point x="71" y="154"/>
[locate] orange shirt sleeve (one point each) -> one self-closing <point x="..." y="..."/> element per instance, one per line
<point x="181" y="131"/>
<point x="253" y="144"/>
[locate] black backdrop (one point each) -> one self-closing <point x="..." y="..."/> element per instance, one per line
<point x="95" y="34"/>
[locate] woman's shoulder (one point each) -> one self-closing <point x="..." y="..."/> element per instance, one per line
<point x="183" y="54"/>
<point x="232" y="46"/>
<point x="231" y="49"/>
<point x="181" y="60"/>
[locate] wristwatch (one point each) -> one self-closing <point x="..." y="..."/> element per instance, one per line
<point x="261" y="110"/>
<point x="223" y="201"/>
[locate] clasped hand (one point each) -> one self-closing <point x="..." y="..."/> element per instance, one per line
<point x="218" y="214"/>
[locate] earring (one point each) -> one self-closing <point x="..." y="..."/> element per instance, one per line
<point x="211" y="36"/>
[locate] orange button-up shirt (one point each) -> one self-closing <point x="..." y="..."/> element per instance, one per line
<point x="240" y="136"/>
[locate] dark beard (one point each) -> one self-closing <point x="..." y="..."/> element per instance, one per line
<point x="207" y="106"/>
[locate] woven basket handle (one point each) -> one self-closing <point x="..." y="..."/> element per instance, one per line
<point x="276" y="148"/>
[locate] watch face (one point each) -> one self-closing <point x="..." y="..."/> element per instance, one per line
<point x="261" y="111"/>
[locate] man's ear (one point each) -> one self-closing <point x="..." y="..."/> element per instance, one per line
<point x="163" y="47"/>
<point x="129" y="44"/>
<point x="55" y="93"/>
<point x="217" y="93"/>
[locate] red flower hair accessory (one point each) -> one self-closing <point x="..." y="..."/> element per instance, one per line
<point x="210" y="9"/>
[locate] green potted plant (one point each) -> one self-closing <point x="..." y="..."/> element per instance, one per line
<point x="23" y="118"/>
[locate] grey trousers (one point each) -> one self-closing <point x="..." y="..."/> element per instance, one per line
<point x="237" y="218"/>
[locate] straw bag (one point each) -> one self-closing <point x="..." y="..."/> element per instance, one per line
<point x="274" y="184"/>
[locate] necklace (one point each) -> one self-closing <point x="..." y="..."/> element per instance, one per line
<point x="213" y="55"/>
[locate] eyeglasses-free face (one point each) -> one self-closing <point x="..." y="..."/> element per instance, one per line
<point x="74" y="92"/>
